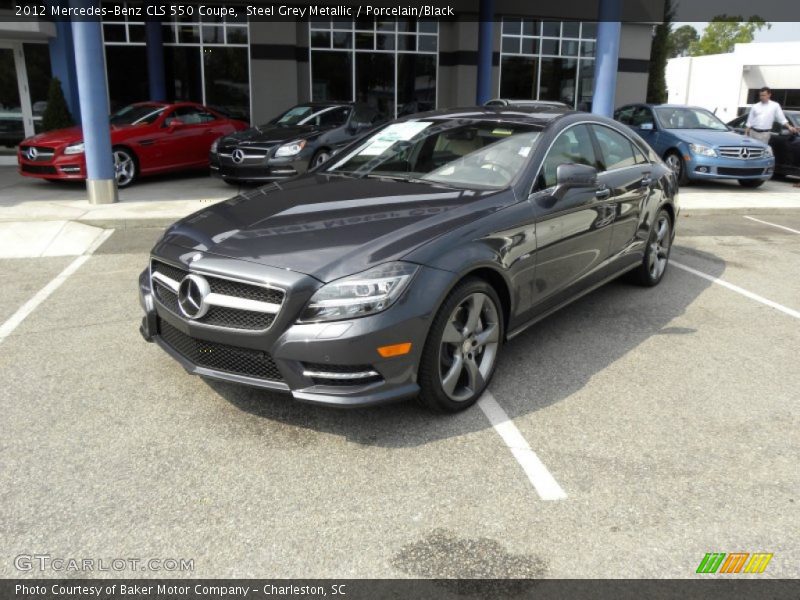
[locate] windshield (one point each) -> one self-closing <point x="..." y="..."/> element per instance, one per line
<point x="313" y="115"/>
<point x="136" y="114"/>
<point x="681" y="117"/>
<point x="458" y="153"/>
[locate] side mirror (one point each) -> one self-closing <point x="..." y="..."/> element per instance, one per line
<point x="571" y="175"/>
<point x="356" y="126"/>
<point x="646" y="127"/>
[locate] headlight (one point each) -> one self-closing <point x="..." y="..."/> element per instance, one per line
<point x="74" y="148"/>
<point x="359" y="295"/>
<point x="291" y="148"/>
<point x="214" y="145"/>
<point x="769" y="151"/>
<point x="702" y="150"/>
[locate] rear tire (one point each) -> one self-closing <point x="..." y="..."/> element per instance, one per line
<point x="751" y="183"/>
<point x="656" y="256"/>
<point x="460" y="354"/>
<point x="675" y="162"/>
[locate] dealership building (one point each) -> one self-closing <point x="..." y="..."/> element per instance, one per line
<point x="254" y="69"/>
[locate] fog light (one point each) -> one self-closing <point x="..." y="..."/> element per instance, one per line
<point x="702" y="169"/>
<point x="395" y="350"/>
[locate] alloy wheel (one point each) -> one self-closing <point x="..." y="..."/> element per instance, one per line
<point x="321" y="158"/>
<point x="469" y="345"/>
<point x="674" y="162"/>
<point x="124" y="168"/>
<point x="659" y="248"/>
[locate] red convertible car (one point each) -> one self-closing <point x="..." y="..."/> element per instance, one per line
<point x="147" y="138"/>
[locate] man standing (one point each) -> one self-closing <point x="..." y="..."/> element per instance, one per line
<point x="763" y="114"/>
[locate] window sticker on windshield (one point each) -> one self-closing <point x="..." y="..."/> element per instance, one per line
<point x="501" y="132"/>
<point x="397" y="132"/>
<point x="524" y="151"/>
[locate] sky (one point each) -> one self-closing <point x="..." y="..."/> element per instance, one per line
<point x="779" y="32"/>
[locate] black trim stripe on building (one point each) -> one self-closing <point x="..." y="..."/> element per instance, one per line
<point x="464" y="58"/>
<point x="278" y="52"/>
<point x="633" y="65"/>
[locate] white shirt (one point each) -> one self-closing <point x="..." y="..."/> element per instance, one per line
<point x="763" y="114"/>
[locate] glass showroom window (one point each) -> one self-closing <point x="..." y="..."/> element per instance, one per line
<point x="389" y="65"/>
<point x="206" y="60"/>
<point x="548" y="60"/>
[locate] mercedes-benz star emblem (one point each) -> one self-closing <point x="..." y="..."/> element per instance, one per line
<point x="744" y="152"/>
<point x="237" y="155"/>
<point x="192" y="294"/>
<point x="32" y="153"/>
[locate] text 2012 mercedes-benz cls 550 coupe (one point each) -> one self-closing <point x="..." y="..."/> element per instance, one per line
<point x="399" y="268"/>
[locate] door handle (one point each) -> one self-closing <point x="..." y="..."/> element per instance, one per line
<point x="602" y="193"/>
<point x="647" y="180"/>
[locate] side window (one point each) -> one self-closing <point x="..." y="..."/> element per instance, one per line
<point x="642" y="116"/>
<point x="573" y="145"/>
<point x="364" y="114"/>
<point x="335" y="117"/>
<point x="639" y="155"/>
<point x="617" y="150"/>
<point x="625" y="115"/>
<point x="190" y="115"/>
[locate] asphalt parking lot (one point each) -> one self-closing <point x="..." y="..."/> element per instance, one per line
<point x="667" y="418"/>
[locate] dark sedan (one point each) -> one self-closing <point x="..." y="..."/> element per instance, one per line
<point x="399" y="268"/>
<point x="785" y="144"/>
<point x="300" y="139"/>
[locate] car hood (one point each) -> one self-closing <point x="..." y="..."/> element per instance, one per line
<point x="715" y="138"/>
<point x="57" y="137"/>
<point x="269" y="134"/>
<point x="330" y="227"/>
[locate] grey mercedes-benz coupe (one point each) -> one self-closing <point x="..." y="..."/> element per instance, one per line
<point x="398" y="268"/>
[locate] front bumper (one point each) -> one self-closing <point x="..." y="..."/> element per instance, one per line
<point x="302" y="352"/>
<point x="64" y="167"/>
<point x="707" y="167"/>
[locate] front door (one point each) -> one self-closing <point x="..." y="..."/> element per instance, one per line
<point x="573" y="230"/>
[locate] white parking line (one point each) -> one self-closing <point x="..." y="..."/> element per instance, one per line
<point x="772" y="224"/>
<point x="784" y="309"/>
<point x="26" y="309"/>
<point x="546" y="485"/>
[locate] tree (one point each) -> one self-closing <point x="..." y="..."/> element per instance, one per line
<point x="681" y="39"/>
<point x="659" y="53"/>
<point x="723" y="32"/>
<point x="56" y="115"/>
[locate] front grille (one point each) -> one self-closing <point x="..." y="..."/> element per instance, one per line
<point x="220" y="316"/>
<point x="43" y="153"/>
<point x="38" y="169"/>
<point x="739" y="171"/>
<point x="351" y="374"/>
<point x="220" y="357"/>
<point x="736" y="152"/>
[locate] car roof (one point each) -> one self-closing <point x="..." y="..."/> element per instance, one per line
<point x="528" y="102"/>
<point x="525" y="114"/>
<point x="663" y="105"/>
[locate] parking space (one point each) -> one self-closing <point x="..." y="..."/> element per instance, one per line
<point x="667" y="416"/>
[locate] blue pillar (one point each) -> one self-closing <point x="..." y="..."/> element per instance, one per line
<point x="90" y="67"/>
<point x="155" y="60"/>
<point x="485" y="51"/>
<point x="62" y="66"/>
<point x="607" y="58"/>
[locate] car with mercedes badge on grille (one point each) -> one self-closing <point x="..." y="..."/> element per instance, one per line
<point x="697" y="145"/>
<point x="300" y="139"/>
<point x="399" y="268"/>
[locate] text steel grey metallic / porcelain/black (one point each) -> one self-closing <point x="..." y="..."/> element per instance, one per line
<point x="539" y="249"/>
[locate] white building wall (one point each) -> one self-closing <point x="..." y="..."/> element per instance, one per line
<point x="719" y="82"/>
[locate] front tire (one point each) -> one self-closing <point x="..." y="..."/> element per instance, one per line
<point x="675" y="163"/>
<point x="751" y="183"/>
<point x="126" y="169"/>
<point x="460" y="354"/>
<point x="656" y="256"/>
<point x="319" y="157"/>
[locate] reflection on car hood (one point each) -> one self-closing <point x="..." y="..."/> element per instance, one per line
<point x="56" y="137"/>
<point x="708" y="137"/>
<point x="329" y="227"/>
<point x="269" y="134"/>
